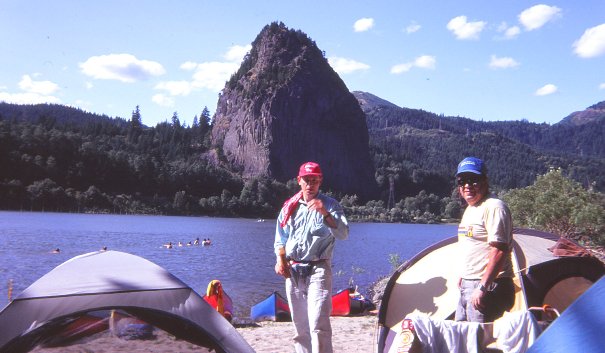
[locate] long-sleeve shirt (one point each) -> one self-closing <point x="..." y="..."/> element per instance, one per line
<point x="306" y="237"/>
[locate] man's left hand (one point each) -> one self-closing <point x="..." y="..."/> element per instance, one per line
<point x="317" y="205"/>
<point x="476" y="299"/>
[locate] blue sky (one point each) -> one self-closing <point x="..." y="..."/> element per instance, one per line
<point x="485" y="60"/>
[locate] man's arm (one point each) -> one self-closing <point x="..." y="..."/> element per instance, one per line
<point x="335" y="219"/>
<point x="496" y="257"/>
<point x="282" y="267"/>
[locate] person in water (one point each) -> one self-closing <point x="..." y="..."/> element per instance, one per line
<point x="307" y="227"/>
<point x="485" y="238"/>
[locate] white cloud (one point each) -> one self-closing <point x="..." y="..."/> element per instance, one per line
<point x="213" y="75"/>
<point x="188" y="66"/>
<point x="602" y="86"/>
<point x="502" y="63"/>
<point x="592" y="42"/>
<point x="162" y="100"/>
<point x="463" y="29"/>
<point x="121" y="67"/>
<point x="401" y="68"/>
<point x="81" y="104"/>
<point x="363" y="24"/>
<point x="175" y="88"/>
<point x="423" y="62"/>
<point x="346" y="66"/>
<point x="512" y="32"/>
<point x="88" y="85"/>
<point x="546" y="90"/>
<point x="43" y="88"/>
<point x="412" y="28"/>
<point x="538" y="15"/>
<point x="206" y="75"/>
<point x="35" y="92"/>
<point x="27" y="98"/>
<point x="237" y="52"/>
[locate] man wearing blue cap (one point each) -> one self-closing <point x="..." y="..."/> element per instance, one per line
<point x="485" y="237"/>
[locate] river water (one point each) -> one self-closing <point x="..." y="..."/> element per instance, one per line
<point x="241" y="254"/>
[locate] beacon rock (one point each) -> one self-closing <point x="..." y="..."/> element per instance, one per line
<point x="285" y="106"/>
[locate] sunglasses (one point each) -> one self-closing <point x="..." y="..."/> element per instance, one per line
<point x="469" y="181"/>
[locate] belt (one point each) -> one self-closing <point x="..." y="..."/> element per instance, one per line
<point x="314" y="262"/>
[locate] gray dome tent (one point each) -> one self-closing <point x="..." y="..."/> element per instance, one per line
<point x="114" y="280"/>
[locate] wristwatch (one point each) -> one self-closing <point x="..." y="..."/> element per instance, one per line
<point x="488" y="288"/>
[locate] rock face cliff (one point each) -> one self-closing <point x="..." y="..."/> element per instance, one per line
<point x="286" y="106"/>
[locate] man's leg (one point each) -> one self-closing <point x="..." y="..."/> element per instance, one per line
<point x="297" y="299"/>
<point x="320" y="307"/>
<point x="465" y="310"/>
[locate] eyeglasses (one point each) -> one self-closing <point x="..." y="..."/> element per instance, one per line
<point x="474" y="182"/>
<point x="311" y="181"/>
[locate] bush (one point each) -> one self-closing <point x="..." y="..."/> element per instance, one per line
<point x="559" y="205"/>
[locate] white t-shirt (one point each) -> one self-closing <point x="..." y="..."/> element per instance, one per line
<point x="486" y="222"/>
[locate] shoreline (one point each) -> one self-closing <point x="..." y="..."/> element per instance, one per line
<point x="349" y="334"/>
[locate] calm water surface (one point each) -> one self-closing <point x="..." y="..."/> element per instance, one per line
<point x="241" y="254"/>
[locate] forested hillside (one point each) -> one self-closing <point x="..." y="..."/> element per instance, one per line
<point x="57" y="158"/>
<point x="420" y="150"/>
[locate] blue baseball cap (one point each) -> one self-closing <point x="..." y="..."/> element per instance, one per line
<point x="471" y="165"/>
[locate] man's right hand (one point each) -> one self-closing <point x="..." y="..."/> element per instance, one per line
<point x="282" y="267"/>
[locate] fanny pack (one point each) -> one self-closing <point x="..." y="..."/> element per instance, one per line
<point x="302" y="270"/>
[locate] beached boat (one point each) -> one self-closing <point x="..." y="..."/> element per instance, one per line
<point x="348" y="302"/>
<point x="219" y="299"/>
<point x="74" y="328"/>
<point x="341" y="303"/>
<point x="129" y="327"/>
<point x="273" y="308"/>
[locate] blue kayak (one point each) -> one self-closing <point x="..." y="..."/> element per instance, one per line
<point x="273" y="308"/>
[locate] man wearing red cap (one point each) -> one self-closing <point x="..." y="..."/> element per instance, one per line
<point x="307" y="227"/>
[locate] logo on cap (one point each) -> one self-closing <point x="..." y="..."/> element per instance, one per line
<point x="309" y="168"/>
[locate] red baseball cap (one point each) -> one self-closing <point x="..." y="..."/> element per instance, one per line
<point x="309" y="168"/>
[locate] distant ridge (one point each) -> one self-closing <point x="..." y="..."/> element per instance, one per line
<point x="591" y="114"/>
<point x="423" y="148"/>
<point x="52" y="113"/>
<point x="368" y="99"/>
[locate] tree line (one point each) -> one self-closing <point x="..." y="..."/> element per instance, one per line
<point x="64" y="160"/>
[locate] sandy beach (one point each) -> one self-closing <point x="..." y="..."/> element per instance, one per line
<point x="350" y="334"/>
